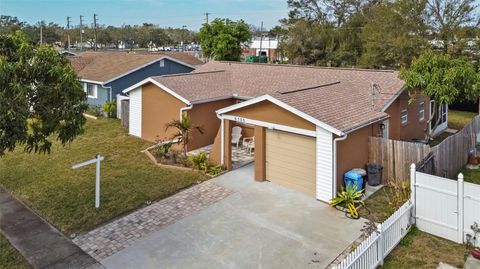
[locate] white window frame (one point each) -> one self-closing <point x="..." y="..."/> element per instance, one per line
<point x="95" y="90"/>
<point x="421" y="111"/>
<point x="162" y="63"/>
<point x="402" y="120"/>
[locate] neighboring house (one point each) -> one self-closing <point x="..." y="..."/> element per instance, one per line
<point x="106" y="74"/>
<point x="310" y="124"/>
<point x="266" y="46"/>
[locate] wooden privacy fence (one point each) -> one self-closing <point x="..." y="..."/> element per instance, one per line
<point x="125" y="117"/>
<point x="395" y="156"/>
<point x="451" y="155"/>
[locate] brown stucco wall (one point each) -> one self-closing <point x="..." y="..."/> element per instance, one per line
<point x="414" y="128"/>
<point x="353" y="152"/>
<point x="216" y="151"/>
<point x="158" y="108"/>
<point x="204" y="115"/>
<point x="269" y="112"/>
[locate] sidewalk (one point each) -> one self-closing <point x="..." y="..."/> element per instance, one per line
<point x="39" y="242"/>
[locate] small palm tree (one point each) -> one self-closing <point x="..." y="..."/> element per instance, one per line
<point x="184" y="131"/>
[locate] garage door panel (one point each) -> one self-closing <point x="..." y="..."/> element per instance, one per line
<point x="291" y="161"/>
<point x="277" y="171"/>
<point x="281" y="153"/>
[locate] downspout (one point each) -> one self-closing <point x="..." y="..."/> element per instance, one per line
<point x="183" y="109"/>
<point x="335" y="141"/>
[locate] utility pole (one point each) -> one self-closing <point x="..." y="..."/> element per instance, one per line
<point x="183" y="37"/>
<point x="81" y="32"/>
<point x="95" y="31"/>
<point x="41" y="33"/>
<point x="261" y="39"/>
<point x="206" y="16"/>
<point x="68" y="32"/>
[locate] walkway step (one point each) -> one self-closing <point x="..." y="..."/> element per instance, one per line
<point x="40" y="243"/>
<point x="121" y="233"/>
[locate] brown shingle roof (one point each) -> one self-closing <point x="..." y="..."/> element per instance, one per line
<point x="341" y="98"/>
<point x="103" y="66"/>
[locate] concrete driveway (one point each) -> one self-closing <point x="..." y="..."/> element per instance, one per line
<point x="260" y="225"/>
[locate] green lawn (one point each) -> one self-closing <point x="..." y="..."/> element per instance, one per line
<point x="65" y="197"/>
<point x="417" y="249"/>
<point x="471" y="175"/>
<point x="9" y="256"/>
<point x="422" y="250"/>
<point x="456" y="120"/>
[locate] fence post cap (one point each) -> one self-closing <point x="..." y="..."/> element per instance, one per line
<point x="460" y="177"/>
<point x="412" y="166"/>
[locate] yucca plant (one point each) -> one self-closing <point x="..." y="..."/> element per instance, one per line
<point x="349" y="198"/>
<point x="184" y="130"/>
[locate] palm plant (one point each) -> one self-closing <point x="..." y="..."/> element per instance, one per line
<point x="184" y="129"/>
<point x="349" y="197"/>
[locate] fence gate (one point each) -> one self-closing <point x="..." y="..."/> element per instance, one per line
<point x="437" y="206"/>
<point x="125" y="116"/>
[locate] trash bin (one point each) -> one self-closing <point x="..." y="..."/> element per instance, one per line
<point x="374" y="173"/>
<point x="353" y="179"/>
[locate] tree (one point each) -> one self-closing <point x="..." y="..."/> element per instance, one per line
<point x="40" y="96"/>
<point x="184" y="129"/>
<point x="448" y="17"/>
<point x="387" y="48"/>
<point x="222" y="39"/>
<point x="442" y="78"/>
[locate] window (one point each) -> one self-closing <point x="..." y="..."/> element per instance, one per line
<point x="444" y="110"/>
<point x="91" y="91"/>
<point x="162" y="63"/>
<point x="421" y="111"/>
<point x="404" y="117"/>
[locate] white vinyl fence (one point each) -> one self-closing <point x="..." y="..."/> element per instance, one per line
<point x="439" y="206"/>
<point x="371" y="252"/>
<point x="444" y="207"/>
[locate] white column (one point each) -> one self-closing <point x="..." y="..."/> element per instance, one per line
<point x="413" y="180"/>
<point x="460" y="208"/>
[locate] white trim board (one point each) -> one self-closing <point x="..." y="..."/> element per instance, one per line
<point x="147" y="64"/>
<point x="270" y="125"/>
<point x="160" y="85"/>
<point x="91" y="81"/>
<point x="284" y="106"/>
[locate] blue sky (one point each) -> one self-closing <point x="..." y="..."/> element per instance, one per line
<point x="165" y="13"/>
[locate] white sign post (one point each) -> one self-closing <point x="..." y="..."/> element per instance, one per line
<point x="97" y="160"/>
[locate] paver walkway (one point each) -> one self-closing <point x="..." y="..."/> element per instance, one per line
<point x="40" y="243"/>
<point x="121" y="233"/>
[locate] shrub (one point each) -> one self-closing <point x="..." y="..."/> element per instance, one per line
<point x="162" y="150"/>
<point x="94" y="111"/>
<point x="398" y="193"/>
<point x="215" y="170"/>
<point x="110" y="107"/>
<point x="199" y="161"/>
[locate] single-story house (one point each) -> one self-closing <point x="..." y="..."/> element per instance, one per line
<point x="105" y="75"/>
<point x="310" y="124"/>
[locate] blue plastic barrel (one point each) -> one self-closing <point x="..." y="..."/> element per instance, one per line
<point x="354" y="179"/>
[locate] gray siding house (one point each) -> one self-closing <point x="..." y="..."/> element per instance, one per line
<point x="106" y="74"/>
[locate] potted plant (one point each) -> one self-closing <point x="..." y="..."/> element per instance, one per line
<point x="348" y="199"/>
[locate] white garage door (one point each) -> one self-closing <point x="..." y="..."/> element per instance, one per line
<point x="291" y="160"/>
